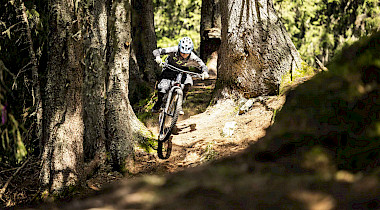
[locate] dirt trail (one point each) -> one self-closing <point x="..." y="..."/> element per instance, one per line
<point x="193" y="147"/>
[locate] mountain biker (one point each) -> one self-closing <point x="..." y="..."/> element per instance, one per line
<point x="180" y="56"/>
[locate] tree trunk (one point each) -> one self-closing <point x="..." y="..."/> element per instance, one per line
<point x="123" y="129"/>
<point x="62" y="158"/>
<point x="117" y="104"/>
<point x="256" y="51"/>
<point x="210" y="32"/>
<point x="86" y="96"/>
<point x="95" y="41"/>
<point x="144" y="38"/>
<point x="143" y="70"/>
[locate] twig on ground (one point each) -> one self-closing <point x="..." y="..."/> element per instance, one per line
<point x="321" y="65"/>
<point x="2" y="191"/>
<point x="11" y="169"/>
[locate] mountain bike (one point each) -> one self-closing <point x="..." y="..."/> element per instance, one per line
<point x="169" y="113"/>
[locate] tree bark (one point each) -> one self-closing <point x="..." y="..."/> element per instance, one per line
<point x="143" y="70"/>
<point x="95" y="42"/>
<point x="86" y="103"/>
<point x="210" y="32"/>
<point x="123" y="129"/>
<point x="256" y="51"/>
<point x="117" y="104"/>
<point x="62" y="158"/>
<point x="144" y="38"/>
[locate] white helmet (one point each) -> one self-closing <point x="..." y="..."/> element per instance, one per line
<point x="185" y="45"/>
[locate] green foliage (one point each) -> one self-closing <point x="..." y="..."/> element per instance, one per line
<point x="369" y="56"/>
<point x="144" y="106"/>
<point x="210" y="153"/>
<point x="12" y="147"/>
<point x="148" y="145"/>
<point x="16" y="96"/>
<point x="318" y="28"/>
<point x="290" y="77"/>
<point x="176" y="19"/>
<point x="142" y="94"/>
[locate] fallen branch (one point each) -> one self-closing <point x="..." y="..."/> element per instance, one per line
<point x="321" y="65"/>
<point x="11" y="169"/>
<point x="8" y="31"/>
<point x="2" y="191"/>
<point x="21" y="71"/>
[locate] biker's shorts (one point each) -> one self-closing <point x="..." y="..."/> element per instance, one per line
<point x="165" y="84"/>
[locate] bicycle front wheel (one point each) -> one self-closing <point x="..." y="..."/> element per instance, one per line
<point x="164" y="148"/>
<point x="169" y="116"/>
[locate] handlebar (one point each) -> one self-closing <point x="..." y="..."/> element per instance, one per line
<point x="164" y="64"/>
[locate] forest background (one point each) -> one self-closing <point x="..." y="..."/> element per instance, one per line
<point x="318" y="28"/>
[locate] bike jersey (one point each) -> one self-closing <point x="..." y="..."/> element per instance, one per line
<point x="176" y="60"/>
<point x="180" y="62"/>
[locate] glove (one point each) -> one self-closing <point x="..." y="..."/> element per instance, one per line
<point x="204" y="75"/>
<point x="158" y="60"/>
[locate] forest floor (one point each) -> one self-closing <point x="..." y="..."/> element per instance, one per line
<point x="208" y="169"/>
<point x="199" y="140"/>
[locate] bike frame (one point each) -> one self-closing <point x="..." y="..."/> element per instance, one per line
<point x="177" y="86"/>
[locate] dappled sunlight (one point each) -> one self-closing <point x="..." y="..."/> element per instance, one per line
<point x="67" y="151"/>
<point x="345" y="176"/>
<point x="314" y="200"/>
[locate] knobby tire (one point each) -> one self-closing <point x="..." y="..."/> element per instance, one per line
<point x="164" y="148"/>
<point x="167" y="123"/>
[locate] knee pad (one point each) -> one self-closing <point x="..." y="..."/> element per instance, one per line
<point x="163" y="86"/>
